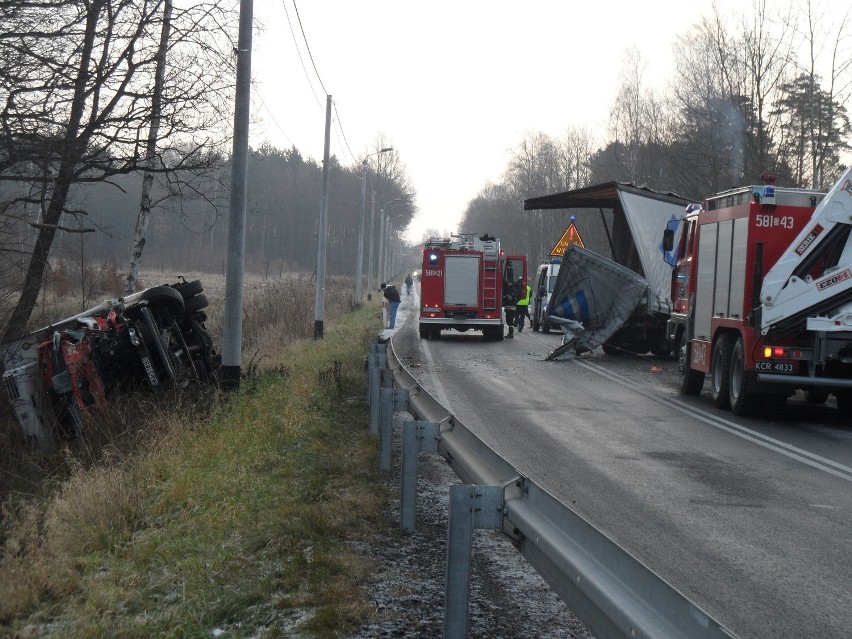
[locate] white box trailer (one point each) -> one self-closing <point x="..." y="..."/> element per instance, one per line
<point x="624" y="223"/>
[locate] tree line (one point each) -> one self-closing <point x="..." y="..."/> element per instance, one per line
<point x="114" y="117"/>
<point x="753" y="92"/>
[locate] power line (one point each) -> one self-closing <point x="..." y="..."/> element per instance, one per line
<point x="305" y="38"/>
<point x="299" y="52"/>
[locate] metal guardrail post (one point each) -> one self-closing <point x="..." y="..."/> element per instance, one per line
<point x="386" y="428"/>
<point x="375" y="388"/>
<point x="417" y="437"/>
<point x="470" y="507"/>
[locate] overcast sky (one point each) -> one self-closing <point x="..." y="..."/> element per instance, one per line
<point x="453" y="84"/>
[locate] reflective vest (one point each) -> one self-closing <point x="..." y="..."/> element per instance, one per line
<point x="526" y="300"/>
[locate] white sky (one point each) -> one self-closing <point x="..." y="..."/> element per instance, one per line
<point x="453" y="84"/>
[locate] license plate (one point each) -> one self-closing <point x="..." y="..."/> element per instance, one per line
<point x="783" y="368"/>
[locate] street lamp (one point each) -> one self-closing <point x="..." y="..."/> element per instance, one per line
<point x="358" y="265"/>
<point x="380" y="271"/>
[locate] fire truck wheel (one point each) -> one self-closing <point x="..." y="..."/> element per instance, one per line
<point x="691" y="380"/>
<point x="424" y="332"/>
<point x="720" y="371"/>
<point x="816" y="396"/>
<point x="188" y="289"/>
<point x="844" y="404"/>
<point x="743" y="400"/>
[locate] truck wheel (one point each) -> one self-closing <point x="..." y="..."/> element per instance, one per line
<point x="691" y="380"/>
<point x="424" y="332"/>
<point x="720" y="371"/>
<point x="844" y="404"/>
<point x="545" y="327"/>
<point x="816" y="396"/>
<point x="743" y="401"/>
<point x="535" y="323"/>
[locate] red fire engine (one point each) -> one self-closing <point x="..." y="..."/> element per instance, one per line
<point x="763" y="296"/>
<point x="462" y="285"/>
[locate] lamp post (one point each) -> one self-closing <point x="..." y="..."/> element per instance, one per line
<point x="360" y="261"/>
<point x="380" y="270"/>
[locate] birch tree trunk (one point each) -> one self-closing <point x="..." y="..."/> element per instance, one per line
<point x="150" y="154"/>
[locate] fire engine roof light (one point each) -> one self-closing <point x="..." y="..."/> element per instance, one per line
<point x="433" y="257"/>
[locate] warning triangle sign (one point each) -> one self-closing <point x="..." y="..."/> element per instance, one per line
<point x="569" y="237"/>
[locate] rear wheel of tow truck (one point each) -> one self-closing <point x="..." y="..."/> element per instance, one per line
<point x="720" y="371"/>
<point x="844" y="404"/>
<point x="743" y="400"/>
<point x="691" y="380"/>
<point x="816" y="395"/>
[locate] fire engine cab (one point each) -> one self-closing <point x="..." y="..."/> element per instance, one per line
<point x="763" y="288"/>
<point x="462" y="284"/>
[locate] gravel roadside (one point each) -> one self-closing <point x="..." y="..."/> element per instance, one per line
<point x="508" y="598"/>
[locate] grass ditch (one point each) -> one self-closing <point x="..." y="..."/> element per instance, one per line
<point x="232" y="520"/>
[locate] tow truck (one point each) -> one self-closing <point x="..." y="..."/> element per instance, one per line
<point x="462" y="284"/>
<point x="765" y="277"/>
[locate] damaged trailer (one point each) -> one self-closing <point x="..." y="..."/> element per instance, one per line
<point x="623" y="223"/>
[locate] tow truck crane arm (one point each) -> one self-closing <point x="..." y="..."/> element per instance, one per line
<point x="812" y="280"/>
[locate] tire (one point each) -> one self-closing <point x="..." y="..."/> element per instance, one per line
<point x="196" y="303"/>
<point x="844" y="404"/>
<point x="166" y="297"/>
<point x="661" y="350"/>
<point x="742" y="399"/>
<point x="816" y="396"/>
<point x="188" y="289"/>
<point x="691" y="380"/>
<point x="720" y="371"/>
<point x="424" y="332"/>
<point x="611" y="349"/>
<point x="545" y="327"/>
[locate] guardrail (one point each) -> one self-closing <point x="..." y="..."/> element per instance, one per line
<point x="612" y="593"/>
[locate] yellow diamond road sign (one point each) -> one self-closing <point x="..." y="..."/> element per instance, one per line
<point x="569" y="237"/>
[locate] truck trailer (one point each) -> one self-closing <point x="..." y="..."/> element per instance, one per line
<point x="763" y="295"/>
<point x="462" y="283"/>
<point x="622" y="223"/>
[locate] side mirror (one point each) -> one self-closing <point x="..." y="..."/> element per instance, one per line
<point x="668" y="239"/>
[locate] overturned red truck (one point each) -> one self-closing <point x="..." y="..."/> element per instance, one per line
<point x="762" y="295"/>
<point x="58" y="376"/>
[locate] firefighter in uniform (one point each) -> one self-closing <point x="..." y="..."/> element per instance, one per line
<point x="510" y="300"/>
<point x="522" y="310"/>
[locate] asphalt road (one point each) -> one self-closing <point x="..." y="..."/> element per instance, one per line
<point x="749" y="518"/>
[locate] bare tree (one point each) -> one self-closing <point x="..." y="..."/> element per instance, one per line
<point x="76" y="83"/>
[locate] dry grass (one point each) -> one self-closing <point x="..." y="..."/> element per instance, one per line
<point x="192" y="515"/>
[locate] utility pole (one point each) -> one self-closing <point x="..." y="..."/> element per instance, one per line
<point x="370" y="286"/>
<point x="319" y="306"/>
<point x="358" y="265"/>
<point x="232" y="328"/>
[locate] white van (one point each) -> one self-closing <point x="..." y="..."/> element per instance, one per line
<point x="541" y="291"/>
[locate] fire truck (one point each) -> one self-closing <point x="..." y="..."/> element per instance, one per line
<point x="462" y="285"/>
<point x="762" y="296"/>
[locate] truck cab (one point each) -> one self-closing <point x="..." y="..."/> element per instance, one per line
<point x="542" y="289"/>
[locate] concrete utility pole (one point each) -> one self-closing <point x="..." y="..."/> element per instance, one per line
<point x="319" y="306"/>
<point x="358" y="276"/>
<point x="370" y="286"/>
<point x="361" y="236"/>
<point x="232" y="328"/>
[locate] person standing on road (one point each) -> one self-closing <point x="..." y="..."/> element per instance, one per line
<point x="522" y="309"/>
<point x="392" y="296"/>
<point x="510" y="300"/>
<point x="409" y="282"/>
